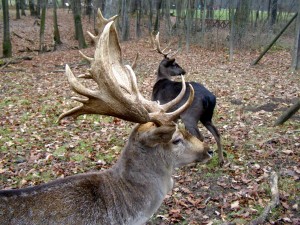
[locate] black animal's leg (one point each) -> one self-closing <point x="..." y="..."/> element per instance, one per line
<point x="213" y="130"/>
<point x="191" y="124"/>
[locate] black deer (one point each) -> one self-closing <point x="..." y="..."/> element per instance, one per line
<point x="203" y="105"/>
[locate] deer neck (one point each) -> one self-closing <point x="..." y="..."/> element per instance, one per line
<point x="162" y="75"/>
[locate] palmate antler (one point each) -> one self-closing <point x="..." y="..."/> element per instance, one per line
<point x="117" y="94"/>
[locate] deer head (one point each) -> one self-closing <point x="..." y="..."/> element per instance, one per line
<point x="167" y="67"/>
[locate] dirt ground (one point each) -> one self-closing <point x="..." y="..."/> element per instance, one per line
<point x="35" y="149"/>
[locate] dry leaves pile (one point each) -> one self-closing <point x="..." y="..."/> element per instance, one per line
<point x="35" y="149"/>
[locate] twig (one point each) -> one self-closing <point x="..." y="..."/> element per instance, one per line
<point x="275" y="200"/>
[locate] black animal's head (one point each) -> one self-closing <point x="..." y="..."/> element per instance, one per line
<point x="168" y="67"/>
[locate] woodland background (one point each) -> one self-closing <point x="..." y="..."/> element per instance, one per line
<point x="218" y="42"/>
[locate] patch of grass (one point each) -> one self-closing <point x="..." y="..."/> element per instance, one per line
<point x="78" y="157"/>
<point x="60" y="151"/>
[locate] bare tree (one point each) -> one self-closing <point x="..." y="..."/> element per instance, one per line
<point x="76" y="8"/>
<point x="241" y="19"/>
<point x="296" y="54"/>
<point x="125" y="28"/>
<point x="56" y="35"/>
<point x="31" y="8"/>
<point x="18" y="16"/>
<point x="6" y="45"/>
<point x="138" y="31"/>
<point x="22" y="5"/>
<point x="42" y="27"/>
<point x="273" y="17"/>
<point x="157" y="19"/>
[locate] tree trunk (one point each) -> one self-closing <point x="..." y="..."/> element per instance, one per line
<point x="18" y="16"/>
<point x="167" y="15"/>
<point x="296" y="54"/>
<point x="38" y="8"/>
<point x="210" y="10"/>
<point x="232" y="31"/>
<point x="111" y="8"/>
<point x="31" y="8"/>
<point x="178" y="14"/>
<point x="89" y="8"/>
<point x="77" y="23"/>
<point x="188" y="25"/>
<point x="274" y="7"/>
<point x="42" y="27"/>
<point x="22" y="7"/>
<point x="157" y="20"/>
<point x="241" y="19"/>
<point x="6" y="45"/>
<point x="56" y="35"/>
<point x="150" y="16"/>
<point x="125" y="22"/>
<point x="138" y="10"/>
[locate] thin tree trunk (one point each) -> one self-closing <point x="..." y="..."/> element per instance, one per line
<point x="231" y="36"/>
<point x="125" y="21"/>
<point x="241" y="21"/>
<point x="77" y="22"/>
<point x="150" y="16"/>
<point x="6" y="45"/>
<point x="42" y="27"/>
<point x="273" y="12"/>
<point x="18" y="16"/>
<point x="188" y="25"/>
<point x="38" y="8"/>
<point x="157" y="20"/>
<point x="23" y="7"/>
<point x="31" y="8"/>
<point x="56" y="34"/>
<point x="138" y="19"/>
<point x="296" y="53"/>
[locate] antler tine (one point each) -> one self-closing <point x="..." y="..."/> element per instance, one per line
<point x="158" y="49"/>
<point x="133" y="66"/>
<point x="101" y="23"/>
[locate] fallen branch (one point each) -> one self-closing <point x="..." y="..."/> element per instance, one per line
<point x="19" y="36"/>
<point x="288" y="113"/>
<point x="274" y="202"/>
<point x="5" y="62"/>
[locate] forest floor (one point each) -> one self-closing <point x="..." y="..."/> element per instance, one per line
<point x="35" y="149"/>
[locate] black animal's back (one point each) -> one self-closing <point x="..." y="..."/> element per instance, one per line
<point x="203" y="97"/>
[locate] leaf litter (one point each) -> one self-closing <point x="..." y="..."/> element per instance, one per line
<point x="35" y="149"/>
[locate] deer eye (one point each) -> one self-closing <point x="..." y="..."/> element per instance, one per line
<point x="177" y="141"/>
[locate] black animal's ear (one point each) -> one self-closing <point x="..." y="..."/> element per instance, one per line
<point x="170" y="61"/>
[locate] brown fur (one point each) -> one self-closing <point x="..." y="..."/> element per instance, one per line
<point x="128" y="193"/>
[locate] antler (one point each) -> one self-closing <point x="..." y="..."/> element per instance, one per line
<point x="156" y="44"/>
<point x="117" y="94"/>
<point x="101" y="22"/>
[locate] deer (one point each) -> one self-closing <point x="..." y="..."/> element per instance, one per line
<point x="203" y="105"/>
<point x="133" y="189"/>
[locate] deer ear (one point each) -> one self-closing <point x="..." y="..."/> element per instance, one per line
<point x="171" y="61"/>
<point x="157" y="135"/>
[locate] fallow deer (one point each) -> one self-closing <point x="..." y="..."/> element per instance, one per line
<point x="134" y="188"/>
<point x="204" y="102"/>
